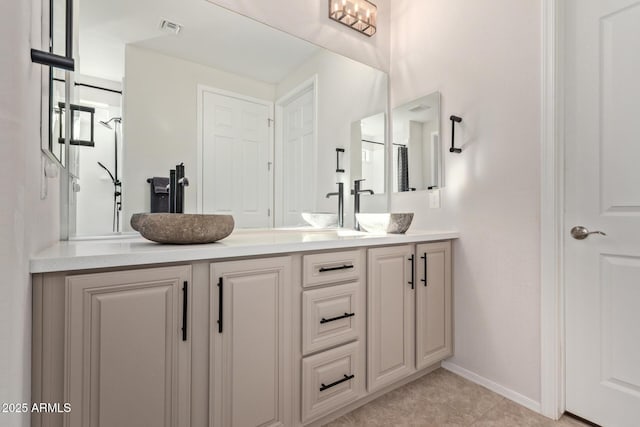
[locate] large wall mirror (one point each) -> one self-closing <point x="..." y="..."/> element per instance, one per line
<point x="417" y="146"/>
<point x="368" y="143"/>
<point x="255" y="115"/>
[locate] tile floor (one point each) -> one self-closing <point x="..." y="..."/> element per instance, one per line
<point x="443" y="399"/>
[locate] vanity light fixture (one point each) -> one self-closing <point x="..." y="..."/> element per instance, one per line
<point x="360" y="15"/>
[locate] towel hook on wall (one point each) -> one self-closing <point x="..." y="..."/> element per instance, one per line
<point x="454" y="120"/>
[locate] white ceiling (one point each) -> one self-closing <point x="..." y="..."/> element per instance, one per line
<point x="428" y="109"/>
<point x="211" y="36"/>
<point x="373" y="128"/>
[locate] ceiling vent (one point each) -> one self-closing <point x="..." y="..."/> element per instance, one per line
<point x="170" y="27"/>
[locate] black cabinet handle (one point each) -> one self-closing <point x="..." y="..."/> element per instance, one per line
<point x="413" y="271"/>
<point x="185" y="307"/>
<point x="340" y="381"/>
<point x="333" y="319"/>
<point x="343" y="267"/>
<point x="425" y="270"/>
<point x="220" y="285"/>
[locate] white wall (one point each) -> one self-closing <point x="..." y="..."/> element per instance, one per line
<point x="485" y="58"/>
<point x="309" y="19"/>
<point x="160" y="120"/>
<point x="27" y="224"/>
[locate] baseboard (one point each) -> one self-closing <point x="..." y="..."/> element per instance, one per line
<point x="493" y="386"/>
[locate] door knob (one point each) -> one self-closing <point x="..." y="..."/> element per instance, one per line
<point x="580" y="233"/>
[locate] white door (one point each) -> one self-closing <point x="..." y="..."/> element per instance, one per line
<point x="298" y="157"/>
<point x="236" y="159"/>
<point x="602" y="106"/>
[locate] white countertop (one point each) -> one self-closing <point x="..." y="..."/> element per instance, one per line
<point x="135" y="250"/>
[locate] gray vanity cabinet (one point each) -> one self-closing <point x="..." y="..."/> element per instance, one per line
<point x="128" y="362"/>
<point x="272" y="341"/>
<point x="409" y="310"/>
<point x="250" y="338"/>
<point x="433" y="303"/>
<point x="390" y="316"/>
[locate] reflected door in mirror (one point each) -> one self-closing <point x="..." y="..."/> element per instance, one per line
<point x="236" y="173"/>
<point x="296" y="191"/>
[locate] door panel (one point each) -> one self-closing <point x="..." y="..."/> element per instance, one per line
<point x="602" y="103"/>
<point x="298" y="158"/>
<point x="619" y="62"/>
<point x="433" y="304"/>
<point x="236" y="176"/>
<point x="620" y="294"/>
<point x="391" y="309"/>
<point x="249" y="355"/>
<point x="127" y="363"/>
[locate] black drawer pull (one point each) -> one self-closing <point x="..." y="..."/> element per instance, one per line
<point x="425" y="270"/>
<point x="413" y="271"/>
<point x="333" y="319"/>
<point x="185" y="307"/>
<point x="343" y="267"/>
<point x="340" y="381"/>
<point x="220" y="305"/>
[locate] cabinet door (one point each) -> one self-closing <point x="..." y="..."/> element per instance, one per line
<point x="391" y="306"/>
<point x="250" y="324"/>
<point x="433" y="305"/>
<point x="127" y="363"/>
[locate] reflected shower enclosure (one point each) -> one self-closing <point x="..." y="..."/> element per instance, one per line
<point x="96" y="201"/>
<point x="117" y="184"/>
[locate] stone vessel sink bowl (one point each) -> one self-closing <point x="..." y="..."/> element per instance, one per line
<point x="321" y="219"/>
<point x="392" y="223"/>
<point x="182" y="229"/>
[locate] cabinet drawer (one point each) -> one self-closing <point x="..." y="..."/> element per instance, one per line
<point x="331" y="380"/>
<point x="331" y="316"/>
<point x="326" y="268"/>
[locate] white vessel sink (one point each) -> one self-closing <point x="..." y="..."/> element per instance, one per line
<point x="321" y="219"/>
<point x="383" y="223"/>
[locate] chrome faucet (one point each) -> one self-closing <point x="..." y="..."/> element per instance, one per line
<point x="340" y="195"/>
<point x="356" y="201"/>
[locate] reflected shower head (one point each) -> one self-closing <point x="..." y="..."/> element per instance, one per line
<point x="112" y="119"/>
